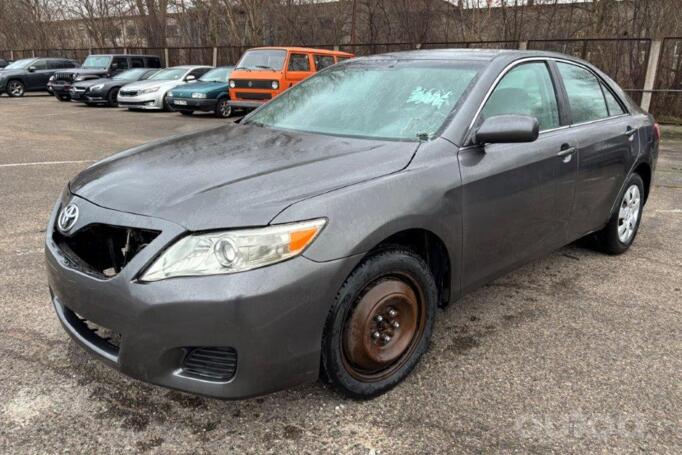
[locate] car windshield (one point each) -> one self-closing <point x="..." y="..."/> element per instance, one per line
<point x="130" y="75"/>
<point x="19" y="64"/>
<point x="97" y="62"/>
<point x="262" y="59"/>
<point x="388" y="99"/>
<point x="216" y="75"/>
<point x="170" y="74"/>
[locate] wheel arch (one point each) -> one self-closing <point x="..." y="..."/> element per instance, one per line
<point x="643" y="169"/>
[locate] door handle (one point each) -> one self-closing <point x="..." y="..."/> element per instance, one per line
<point x="566" y="151"/>
<point x="630" y="132"/>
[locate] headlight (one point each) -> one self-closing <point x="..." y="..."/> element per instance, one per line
<point x="97" y="87"/>
<point x="148" y="90"/>
<point x="198" y="95"/>
<point x="275" y="85"/>
<point x="234" y="251"/>
<point x="232" y="84"/>
<point x="51" y="79"/>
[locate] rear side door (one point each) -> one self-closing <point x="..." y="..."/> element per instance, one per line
<point x="607" y="145"/>
<point x="298" y="68"/>
<point x="517" y="198"/>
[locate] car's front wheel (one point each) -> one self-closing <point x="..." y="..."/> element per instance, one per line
<point x="187" y="113"/>
<point x="15" y="88"/>
<point x="622" y="228"/>
<point x="64" y="98"/>
<point x="112" y="98"/>
<point x="380" y="323"/>
<point x="223" y="108"/>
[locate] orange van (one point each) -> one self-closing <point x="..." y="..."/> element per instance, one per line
<point x="264" y="72"/>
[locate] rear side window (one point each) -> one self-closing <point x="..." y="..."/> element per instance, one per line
<point x="615" y="108"/>
<point x="54" y="64"/>
<point x="584" y="92"/>
<point x="299" y="62"/>
<point x="136" y="62"/>
<point x="323" y="61"/>
<point x="526" y="90"/>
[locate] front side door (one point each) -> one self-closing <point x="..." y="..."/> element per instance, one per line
<point x="37" y="79"/>
<point x="298" y="68"/>
<point x="608" y="144"/>
<point x="517" y="198"/>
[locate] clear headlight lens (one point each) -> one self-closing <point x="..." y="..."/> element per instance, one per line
<point x="234" y="251"/>
<point x="51" y="78"/>
<point x="148" y="90"/>
<point x="198" y="95"/>
<point x="275" y="85"/>
<point x="97" y="87"/>
<point x="232" y="84"/>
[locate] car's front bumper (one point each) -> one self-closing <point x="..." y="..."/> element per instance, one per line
<point x="272" y="317"/>
<point x="192" y="104"/>
<point x="146" y="101"/>
<point x="240" y="104"/>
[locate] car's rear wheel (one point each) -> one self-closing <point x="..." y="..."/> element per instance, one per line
<point x="621" y="230"/>
<point x="380" y="324"/>
<point x="112" y="97"/>
<point x="223" y="108"/>
<point x="15" y="88"/>
<point x="186" y="112"/>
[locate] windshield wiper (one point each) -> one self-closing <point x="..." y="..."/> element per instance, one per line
<point x="242" y="68"/>
<point x="265" y="67"/>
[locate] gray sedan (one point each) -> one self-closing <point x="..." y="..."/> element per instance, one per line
<point x="323" y="232"/>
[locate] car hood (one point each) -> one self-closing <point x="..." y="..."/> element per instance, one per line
<point x="12" y="72"/>
<point x="234" y="175"/>
<point x="152" y="83"/>
<point x="186" y="90"/>
<point x="84" y="71"/>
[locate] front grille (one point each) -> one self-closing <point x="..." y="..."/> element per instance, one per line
<point x="128" y="93"/>
<point x="63" y="76"/>
<point x="254" y="96"/>
<point x="254" y="83"/>
<point x="210" y="363"/>
<point x="103" y="250"/>
<point x="102" y="337"/>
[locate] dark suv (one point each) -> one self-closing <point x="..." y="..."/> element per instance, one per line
<point x="4" y="63"/>
<point x="31" y="74"/>
<point x="99" y="66"/>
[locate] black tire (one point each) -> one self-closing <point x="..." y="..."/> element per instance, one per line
<point x="64" y="98"/>
<point x="187" y="113"/>
<point x="112" y="97"/>
<point x="394" y="265"/>
<point x="222" y="108"/>
<point x="609" y="239"/>
<point x="15" y="88"/>
<point x="166" y="107"/>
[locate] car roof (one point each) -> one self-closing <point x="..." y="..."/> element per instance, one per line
<point x="305" y="49"/>
<point x="124" y="55"/>
<point x="484" y="55"/>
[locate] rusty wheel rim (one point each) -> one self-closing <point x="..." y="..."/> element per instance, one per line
<point x="383" y="328"/>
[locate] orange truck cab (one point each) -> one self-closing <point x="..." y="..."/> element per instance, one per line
<point x="264" y="72"/>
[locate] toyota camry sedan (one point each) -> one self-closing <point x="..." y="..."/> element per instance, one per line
<point x="323" y="232"/>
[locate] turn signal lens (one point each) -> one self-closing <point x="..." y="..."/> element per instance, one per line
<point x="234" y="251"/>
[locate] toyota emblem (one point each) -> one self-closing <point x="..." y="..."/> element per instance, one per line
<point x="68" y="217"/>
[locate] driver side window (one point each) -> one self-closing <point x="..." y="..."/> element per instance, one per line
<point x="526" y="90"/>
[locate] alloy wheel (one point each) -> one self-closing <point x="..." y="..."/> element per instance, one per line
<point x="15" y="88"/>
<point x="628" y="215"/>
<point x="224" y="109"/>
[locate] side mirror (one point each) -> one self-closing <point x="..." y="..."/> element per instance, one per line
<point x="191" y="78"/>
<point x="31" y="69"/>
<point x="508" y="128"/>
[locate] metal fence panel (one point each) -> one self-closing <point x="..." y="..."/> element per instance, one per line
<point x="667" y="106"/>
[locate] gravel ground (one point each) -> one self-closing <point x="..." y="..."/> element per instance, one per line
<point x="576" y="352"/>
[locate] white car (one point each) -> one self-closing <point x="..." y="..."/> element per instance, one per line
<point x="151" y="93"/>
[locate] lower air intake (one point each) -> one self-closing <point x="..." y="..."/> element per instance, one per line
<point x="210" y="363"/>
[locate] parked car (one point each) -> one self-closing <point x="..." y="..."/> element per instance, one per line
<point x="105" y="90"/>
<point x="208" y="94"/>
<point x="263" y="73"/>
<point x="151" y="93"/>
<point x="99" y="66"/>
<point x="4" y="63"/>
<point x="31" y="74"/>
<point x="324" y="230"/>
